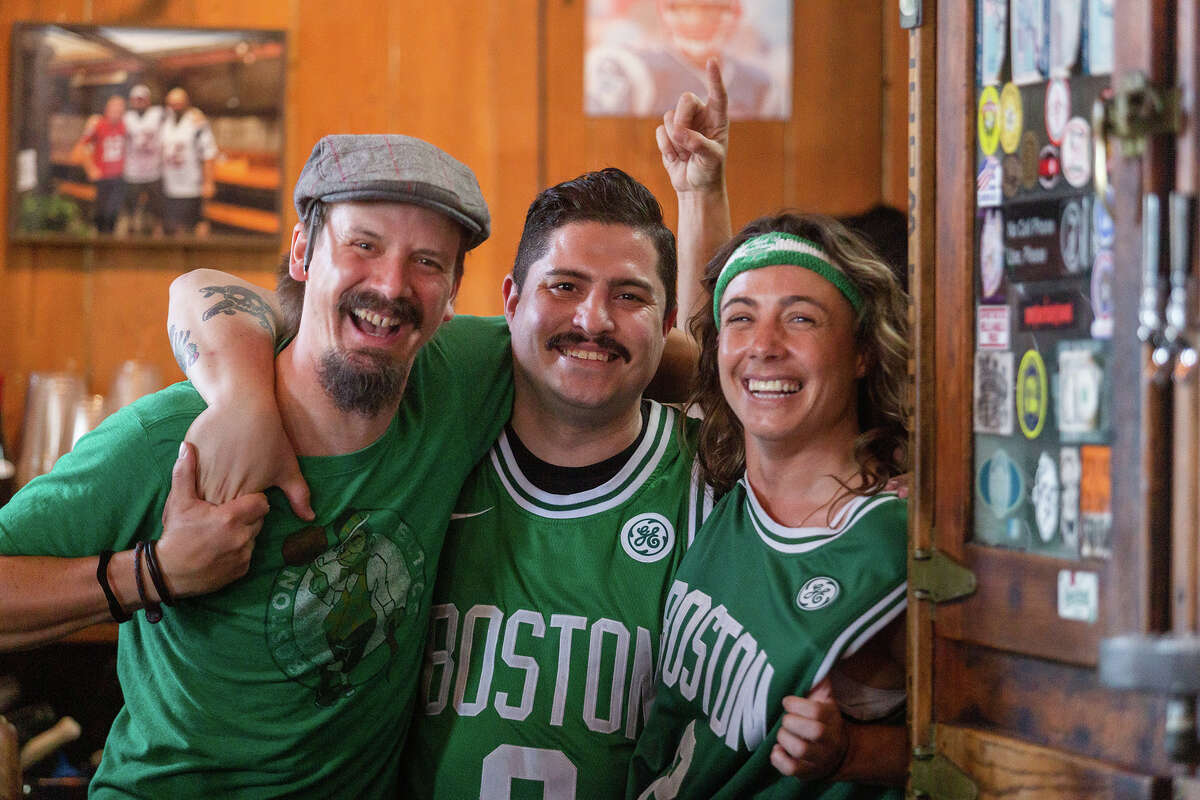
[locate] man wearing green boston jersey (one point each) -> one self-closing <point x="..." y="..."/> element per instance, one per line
<point x="548" y="602"/>
<point x="288" y="660"/>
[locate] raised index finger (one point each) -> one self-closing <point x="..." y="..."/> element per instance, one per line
<point x="717" y="99"/>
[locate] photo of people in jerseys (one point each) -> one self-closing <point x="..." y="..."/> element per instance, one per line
<point x="135" y="133"/>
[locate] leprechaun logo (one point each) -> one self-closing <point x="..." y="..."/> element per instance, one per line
<point x="336" y="605"/>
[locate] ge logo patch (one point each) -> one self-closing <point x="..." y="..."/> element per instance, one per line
<point x="647" y="537"/>
<point x="817" y="593"/>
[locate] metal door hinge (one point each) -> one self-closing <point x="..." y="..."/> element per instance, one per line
<point x="933" y="776"/>
<point x="1136" y="110"/>
<point x="938" y="578"/>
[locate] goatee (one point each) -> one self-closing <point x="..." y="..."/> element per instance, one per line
<point x="364" y="382"/>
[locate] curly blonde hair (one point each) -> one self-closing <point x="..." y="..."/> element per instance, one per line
<point x="880" y="335"/>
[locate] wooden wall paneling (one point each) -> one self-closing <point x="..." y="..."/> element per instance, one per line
<point x="954" y="292"/>
<point x="921" y="184"/>
<point x="1052" y="705"/>
<point x="834" y="153"/>
<point x="894" y="171"/>
<point x="1015" y="770"/>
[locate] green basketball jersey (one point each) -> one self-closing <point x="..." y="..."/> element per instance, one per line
<point x="542" y="644"/>
<point x="759" y="611"/>
<point x="298" y="679"/>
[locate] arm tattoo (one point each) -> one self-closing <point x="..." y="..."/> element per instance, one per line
<point x="235" y="299"/>
<point x="183" y="347"/>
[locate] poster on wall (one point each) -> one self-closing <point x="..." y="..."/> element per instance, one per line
<point x="642" y="54"/>
<point x="146" y="134"/>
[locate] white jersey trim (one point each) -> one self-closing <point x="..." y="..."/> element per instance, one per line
<point x="805" y="539"/>
<point x="607" y="495"/>
<point x="860" y="631"/>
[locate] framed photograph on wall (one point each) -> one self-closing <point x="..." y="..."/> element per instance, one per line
<point x="146" y="135"/>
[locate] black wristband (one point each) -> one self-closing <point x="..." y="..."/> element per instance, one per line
<point x="114" y="608"/>
<point x="156" y="576"/>
<point x="153" y="610"/>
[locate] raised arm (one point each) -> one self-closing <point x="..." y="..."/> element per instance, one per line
<point x="223" y="332"/>
<point x="694" y="140"/>
<point x="203" y="547"/>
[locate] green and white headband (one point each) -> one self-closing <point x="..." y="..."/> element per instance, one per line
<point x="774" y="249"/>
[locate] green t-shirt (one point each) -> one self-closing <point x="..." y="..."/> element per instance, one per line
<point x="759" y="611"/>
<point x="298" y="679"/>
<point x="545" y="626"/>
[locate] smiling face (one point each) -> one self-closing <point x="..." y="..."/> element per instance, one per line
<point x="699" y="27"/>
<point x="786" y="356"/>
<point x="381" y="280"/>
<point x="588" y="324"/>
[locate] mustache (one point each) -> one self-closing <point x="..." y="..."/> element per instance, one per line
<point x="571" y="338"/>
<point x="401" y="309"/>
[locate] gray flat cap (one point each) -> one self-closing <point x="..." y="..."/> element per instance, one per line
<point x="400" y="169"/>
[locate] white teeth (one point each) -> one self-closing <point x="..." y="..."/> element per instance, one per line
<point x="587" y="355"/>
<point x="375" y="319"/>
<point x="772" y="387"/>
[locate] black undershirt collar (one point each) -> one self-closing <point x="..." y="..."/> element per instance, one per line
<point x="569" y="480"/>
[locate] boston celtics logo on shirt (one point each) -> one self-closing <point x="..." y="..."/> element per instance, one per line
<point x="335" y="607"/>
<point x="817" y="593"/>
<point x="647" y="537"/>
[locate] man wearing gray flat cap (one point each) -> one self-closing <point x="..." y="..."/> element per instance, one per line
<point x="279" y="656"/>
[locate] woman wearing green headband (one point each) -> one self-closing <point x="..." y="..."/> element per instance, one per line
<point x="778" y="627"/>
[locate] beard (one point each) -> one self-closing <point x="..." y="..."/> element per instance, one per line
<point x="358" y="387"/>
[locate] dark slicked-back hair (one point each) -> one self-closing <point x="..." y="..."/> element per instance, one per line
<point x="609" y="196"/>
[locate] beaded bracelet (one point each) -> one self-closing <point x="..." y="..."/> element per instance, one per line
<point x="114" y="608"/>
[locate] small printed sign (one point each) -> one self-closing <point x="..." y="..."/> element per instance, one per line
<point x="993" y="33"/>
<point x="1066" y="17"/>
<point x="1068" y="475"/>
<point x="1095" y="501"/>
<point x="989" y="184"/>
<point x="1098" y="54"/>
<point x="1029" y="45"/>
<point x="994" y="392"/>
<point x="992" y="327"/>
<point x="1078" y="595"/>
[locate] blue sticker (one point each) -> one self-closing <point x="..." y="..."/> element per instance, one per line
<point x="1000" y="484"/>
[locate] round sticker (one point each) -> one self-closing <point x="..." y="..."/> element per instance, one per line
<point x="991" y="253"/>
<point x="1102" y="295"/>
<point x="1011" y="119"/>
<point x="1077" y="152"/>
<point x="989" y="120"/>
<point x="1058" y="109"/>
<point x="1010" y="176"/>
<point x="1103" y="231"/>
<point x="1029" y="160"/>
<point x="647" y="537"/>
<point x="1031" y="394"/>
<point x="1045" y="497"/>
<point x="1071" y="238"/>
<point x="1000" y="484"/>
<point x="817" y="593"/>
<point x="1049" y="167"/>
